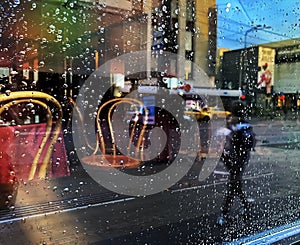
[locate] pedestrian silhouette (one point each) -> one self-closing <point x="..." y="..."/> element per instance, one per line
<point x="240" y="139"/>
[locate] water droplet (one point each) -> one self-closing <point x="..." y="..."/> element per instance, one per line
<point x="17" y="133"/>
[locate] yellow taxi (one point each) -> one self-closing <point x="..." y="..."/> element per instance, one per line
<point x="218" y="112"/>
<point x="200" y="114"/>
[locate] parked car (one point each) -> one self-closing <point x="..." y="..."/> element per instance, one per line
<point x="217" y="112"/>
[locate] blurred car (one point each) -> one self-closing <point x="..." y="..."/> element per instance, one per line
<point x="217" y="112"/>
<point x="200" y="114"/>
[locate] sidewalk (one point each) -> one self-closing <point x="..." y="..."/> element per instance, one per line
<point x="277" y="115"/>
<point x="267" y="131"/>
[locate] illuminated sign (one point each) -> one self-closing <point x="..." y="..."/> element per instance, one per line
<point x="266" y="64"/>
<point x="120" y="4"/>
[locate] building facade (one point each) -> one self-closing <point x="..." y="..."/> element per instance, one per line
<point x="267" y="73"/>
<point x="47" y="39"/>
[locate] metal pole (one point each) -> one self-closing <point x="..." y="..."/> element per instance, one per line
<point x="242" y="59"/>
<point x="241" y="68"/>
<point x="244" y="66"/>
<point x="148" y="11"/>
<point x="243" y="52"/>
<point x="181" y="37"/>
<point x="243" y="56"/>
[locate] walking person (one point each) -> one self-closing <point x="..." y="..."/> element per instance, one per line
<point x="240" y="140"/>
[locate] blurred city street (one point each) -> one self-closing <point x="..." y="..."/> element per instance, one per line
<point x="77" y="210"/>
<point x="115" y="117"/>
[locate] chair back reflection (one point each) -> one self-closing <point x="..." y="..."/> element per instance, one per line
<point x="31" y="138"/>
<point x="110" y="156"/>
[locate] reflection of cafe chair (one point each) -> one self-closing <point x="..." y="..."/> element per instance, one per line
<point x="33" y="145"/>
<point x="110" y="155"/>
<point x="8" y="180"/>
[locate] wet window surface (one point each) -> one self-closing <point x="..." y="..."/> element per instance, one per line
<point x="149" y="122"/>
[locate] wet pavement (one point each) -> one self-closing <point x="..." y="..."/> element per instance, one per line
<point x="77" y="210"/>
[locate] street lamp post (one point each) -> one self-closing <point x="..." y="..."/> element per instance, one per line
<point x="254" y="28"/>
<point x="243" y="66"/>
<point x="244" y="51"/>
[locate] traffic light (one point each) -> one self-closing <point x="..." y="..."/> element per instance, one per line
<point x="243" y="95"/>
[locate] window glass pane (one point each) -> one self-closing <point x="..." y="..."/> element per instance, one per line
<point x="152" y="122"/>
